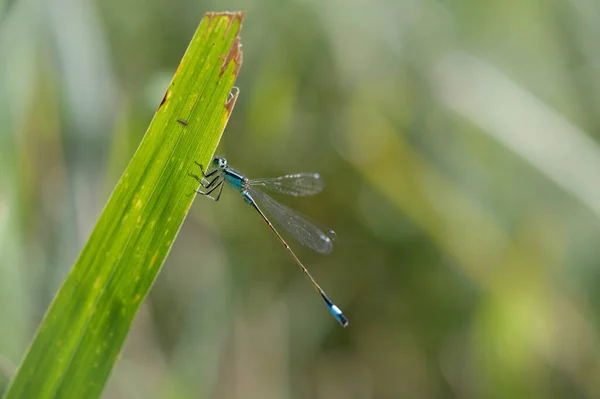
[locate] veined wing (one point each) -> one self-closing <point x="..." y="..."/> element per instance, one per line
<point x="294" y="223"/>
<point x="297" y="185"/>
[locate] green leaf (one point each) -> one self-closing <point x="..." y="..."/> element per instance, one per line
<point x="83" y="331"/>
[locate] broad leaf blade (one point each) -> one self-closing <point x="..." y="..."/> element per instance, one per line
<point x="83" y="331"/>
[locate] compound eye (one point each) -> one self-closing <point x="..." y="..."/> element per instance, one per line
<point x="222" y="162"/>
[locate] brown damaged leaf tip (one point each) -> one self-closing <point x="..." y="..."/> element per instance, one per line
<point x="235" y="55"/>
<point x="231" y="15"/>
<point x="237" y="16"/>
<point x="231" y="99"/>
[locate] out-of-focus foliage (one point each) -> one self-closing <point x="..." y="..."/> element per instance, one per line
<point x="459" y="142"/>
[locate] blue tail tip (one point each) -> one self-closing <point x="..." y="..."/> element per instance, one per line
<point x="337" y="313"/>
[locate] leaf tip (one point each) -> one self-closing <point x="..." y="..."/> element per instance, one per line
<point x="234" y="54"/>
<point x="235" y="50"/>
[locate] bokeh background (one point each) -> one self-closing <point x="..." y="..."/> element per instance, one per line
<point x="459" y="144"/>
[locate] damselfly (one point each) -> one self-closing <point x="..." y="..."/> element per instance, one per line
<point x="301" y="184"/>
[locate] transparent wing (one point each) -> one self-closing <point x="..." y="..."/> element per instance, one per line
<point x="294" y="223"/>
<point x="298" y="185"/>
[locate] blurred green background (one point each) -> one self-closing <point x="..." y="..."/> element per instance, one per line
<point x="458" y="141"/>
